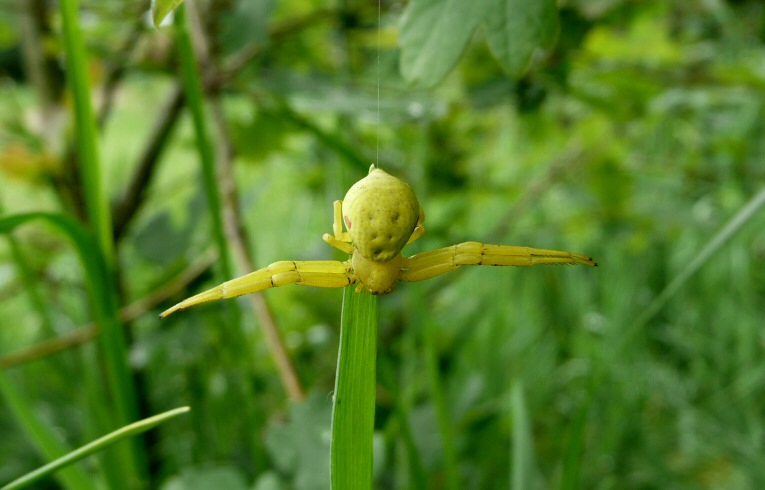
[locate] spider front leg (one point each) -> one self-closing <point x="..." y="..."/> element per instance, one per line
<point x="340" y="239"/>
<point x="419" y="228"/>
<point x="319" y="273"/>
<point x="434" y="263"/>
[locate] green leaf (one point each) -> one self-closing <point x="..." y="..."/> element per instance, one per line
<point x="161" y="9"/>
<point x="515" y="29"/>
<point x="353" y="411"/>
<point x="300" y="447"/>
<point x="434" y="34"/>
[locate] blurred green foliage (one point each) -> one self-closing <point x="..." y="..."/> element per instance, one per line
<point x="634" y="138"/>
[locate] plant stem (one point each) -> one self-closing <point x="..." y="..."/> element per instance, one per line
<point x="85" y="127"/>
<point x="91" y="448"/>
<point x="127" y="467"/>
<point x="46" y="443"/>
<point x="353" y="410"/>
<point x="192" y="85"/>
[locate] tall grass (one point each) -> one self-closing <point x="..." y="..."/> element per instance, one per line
<point x="124" y="466"/>
<point x="93" y="447"/>
<point x="120" y="466"/>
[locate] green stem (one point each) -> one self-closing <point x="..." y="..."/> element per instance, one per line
<point x="353" y="410"/>
<point x="124" y="465"/>
<point x="192" y="85"/>
<point x="46" y="443"/>
<point x="85" y="126"/>
<point x="91" y="448"/>
<point x="522" y="458"/>
<point x="128" y="465"/>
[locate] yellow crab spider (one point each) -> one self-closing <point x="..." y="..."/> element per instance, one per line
<point x="381" y="215"/>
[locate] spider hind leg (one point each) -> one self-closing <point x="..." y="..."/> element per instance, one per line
<point x="440" y="261"/>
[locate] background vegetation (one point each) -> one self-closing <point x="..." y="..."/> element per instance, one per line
<point x="637" y="137"/>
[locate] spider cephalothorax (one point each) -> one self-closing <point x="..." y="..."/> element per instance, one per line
<point x="381" y="216"/>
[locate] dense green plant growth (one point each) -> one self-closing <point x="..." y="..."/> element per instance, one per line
<point x="630" y="131"/>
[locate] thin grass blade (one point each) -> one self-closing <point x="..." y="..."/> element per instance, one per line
<point x="574" y="449"/>
<point x="720" y="239"/>
<point x="111" y="339"/>
<point x="522" y="460"/>
<point x="43" y="438"/>
<point x="93" y="447"/>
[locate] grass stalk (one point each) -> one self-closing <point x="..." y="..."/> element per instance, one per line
<point x="445" y="425"/>
<point x="127" y="462"/>
<point x="721" y="238"/>
<point x="96" y="202"/>
<point x="122" y="466"/>
<point x="44" y="439"/>
<point x="91" y="448"/>
<point x="522" y="456"/>
<point x="192" y="85"/>
<point x="353" y="410"/>
<point x="237" y="352"/>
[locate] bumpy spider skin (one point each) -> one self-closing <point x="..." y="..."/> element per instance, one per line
<point x="320" y="273"/>
<point x="380" y="213"/>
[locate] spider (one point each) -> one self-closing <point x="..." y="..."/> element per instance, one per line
<point x="381" y="216"/>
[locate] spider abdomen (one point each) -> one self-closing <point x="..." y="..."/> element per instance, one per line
<point x="380" y="213"/>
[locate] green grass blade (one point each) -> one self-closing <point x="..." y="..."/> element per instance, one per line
<point x="42" y="437"/>
<point x="722" y="237"/>
<point x="353" y="411"/>
<point x="95" y="446"/>
<point x="112" y="337"/>
<point x="192" y="86"/>
<point x="31" y="286"/>
<point x="445" y="425"/>
<point x="574" y="449"/>
<point x="522" y="463"/>
<point x="87" y="138"/>
<point x="131" y="465"/>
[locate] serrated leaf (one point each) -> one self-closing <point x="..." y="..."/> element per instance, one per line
<point x="517" y="28"/>
<point x="434" y="34"/>
<point x="161" y="9"/>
